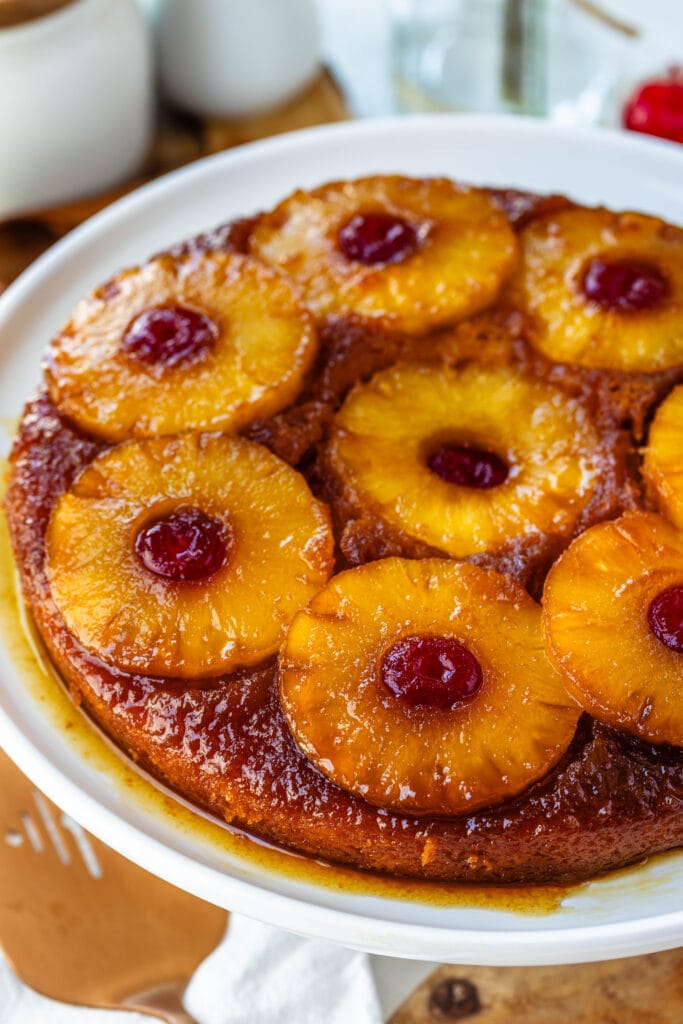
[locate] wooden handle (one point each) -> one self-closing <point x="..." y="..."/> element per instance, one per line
<point x="606" y="18"/>
<point x="14" y="12"/>
<point x="164" y="1002"/>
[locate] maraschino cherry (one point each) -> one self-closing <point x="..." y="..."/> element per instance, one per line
<point x="185" y="545"/>
<point x="665" y="616"/>
<point x="378" y="238"/>
<point x="169" y="335"/>
<point x="431" y="671"/>
<point x="468" y="466"/>
<point x="656" y="107"/>
<point x="625" y="285"/>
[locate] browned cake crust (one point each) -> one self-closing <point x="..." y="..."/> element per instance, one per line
<point x="225" y="744"/>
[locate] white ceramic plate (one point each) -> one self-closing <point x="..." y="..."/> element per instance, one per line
<point x="635" y="912"/>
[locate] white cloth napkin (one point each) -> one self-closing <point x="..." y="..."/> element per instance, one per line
<point x="257" y="975"/>
<point x="265" y="975"/>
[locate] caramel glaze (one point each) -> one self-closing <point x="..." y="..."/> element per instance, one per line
<point x="225" y="743"/>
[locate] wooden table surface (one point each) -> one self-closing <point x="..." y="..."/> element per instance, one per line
<point x="644" y="990"/>
<point x="639" y="990"/>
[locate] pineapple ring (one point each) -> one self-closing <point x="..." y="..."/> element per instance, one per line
<point x="264" y="343"/>
<point x="280" y="553"/>
<point x="420" y="759"/>
<point x="381" y="441"/>
<point x="595" y="617"/>
<point x="465" y="248"/>
<point x="662" y="463"/>
<point x="570" y="328"/>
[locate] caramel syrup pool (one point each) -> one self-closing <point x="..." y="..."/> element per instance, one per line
<point x="24" y="646"/>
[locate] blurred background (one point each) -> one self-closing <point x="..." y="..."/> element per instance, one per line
<point x="99" y="96"/>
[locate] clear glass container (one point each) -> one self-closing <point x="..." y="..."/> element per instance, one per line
<point x="549" y="58"/>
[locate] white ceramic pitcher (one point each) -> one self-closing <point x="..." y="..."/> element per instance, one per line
<point x="233" y="58"/>
<point x="76" y="103"/>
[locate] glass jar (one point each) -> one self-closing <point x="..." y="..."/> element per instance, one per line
<point x="549" y="58"/>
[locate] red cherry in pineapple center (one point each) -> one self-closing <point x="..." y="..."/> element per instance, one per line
<point x="624" y="285"/>
<point x="378" y="238"/>
<point x="184" y="546"/>
<point x="665" y="616"/>
<point x="431" y="671"/>
<point x="468" y="466"/>
<point x="169" y="335"/>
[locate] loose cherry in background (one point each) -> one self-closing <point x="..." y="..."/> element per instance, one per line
<point x="656" y="107"/>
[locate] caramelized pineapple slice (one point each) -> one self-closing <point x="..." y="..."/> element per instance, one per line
<point x="186" y="556"/>
<point x="210" y="343"/>
<point x="663" y="458"/>
<point x="613" y="622"/>
<point x="465" y="460"/>
<point x="414" y="253"/>
<point x="603" y="289"/>
<point x="423" y="686"/>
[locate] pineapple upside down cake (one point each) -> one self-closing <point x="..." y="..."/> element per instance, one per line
<point x="360" y="524"/>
